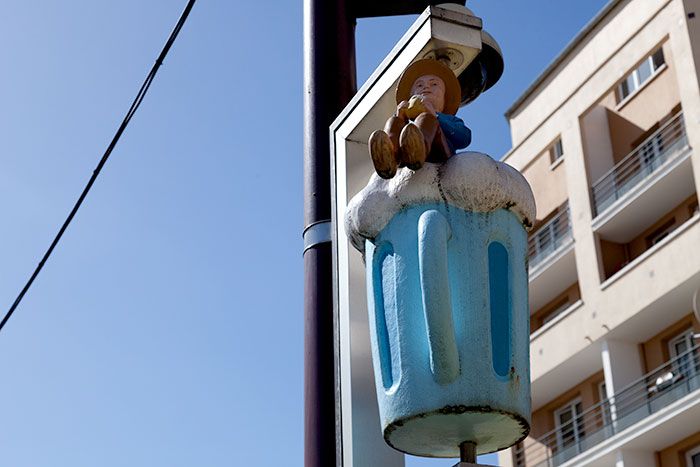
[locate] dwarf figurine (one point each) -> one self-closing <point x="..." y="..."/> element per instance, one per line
<point x="425" y="126"/>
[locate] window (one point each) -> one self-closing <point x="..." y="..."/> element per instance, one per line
<point x="602" y="391"/>
<point x="605" y="404"/>
<point x="569" y="425"/>
<point x="558" y="309"/>
<point x="641" y="75"/>
<point x="687" y="362"/>
<point x="544" y="239"/>
<point x="661" y="233"/>
<point x="556" y="152"/>
<point x="692" y="457"/>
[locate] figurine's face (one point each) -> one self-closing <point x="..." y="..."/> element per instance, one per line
<point x="433" y="89"/>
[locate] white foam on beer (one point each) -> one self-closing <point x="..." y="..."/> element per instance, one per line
<point x="471" y="181"/>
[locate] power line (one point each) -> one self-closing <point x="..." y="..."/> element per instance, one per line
<point x="132" y="110"/>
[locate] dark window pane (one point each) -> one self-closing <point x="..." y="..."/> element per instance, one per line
<point x="558" y="150"/>
<point x="579" y="424"/>
<point x="658" y="58"/>
<point x="681" y="347"/>
<point x="624" y="90"/>
<point x="564" y="417"/>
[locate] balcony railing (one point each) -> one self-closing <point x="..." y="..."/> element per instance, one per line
<point x="640" y="163"/>
<point x="548" y="238"/>
<point x="646" y="396"/>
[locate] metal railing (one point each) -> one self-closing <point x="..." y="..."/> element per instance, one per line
<point x="644" y="397"/>
<point x="548" y="238"/>
<point x="661" y="146"/>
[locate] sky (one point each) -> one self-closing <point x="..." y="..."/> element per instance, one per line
<point x="167" y="327"/>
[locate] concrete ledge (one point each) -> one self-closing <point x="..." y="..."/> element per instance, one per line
<point x="639" y="259"/>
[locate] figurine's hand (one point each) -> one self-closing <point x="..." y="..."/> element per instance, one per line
<point x="401" y="110"/>
<point x="429" y="107"/>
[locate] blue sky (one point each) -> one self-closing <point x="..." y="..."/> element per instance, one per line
<point x="167" y="328"/>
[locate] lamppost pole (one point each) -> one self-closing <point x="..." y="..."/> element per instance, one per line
<point x="329" y="84"/>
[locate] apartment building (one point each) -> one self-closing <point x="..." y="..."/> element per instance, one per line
<point x="608" y="138"/>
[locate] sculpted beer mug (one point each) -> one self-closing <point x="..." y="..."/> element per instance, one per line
<point x="447" y="288"/>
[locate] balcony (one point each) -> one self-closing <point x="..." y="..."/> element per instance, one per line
<point x="625" y="418"/>
<point x="648" y="182"/>
<point x="549" y="238"/>
<point x="551" y="258"/>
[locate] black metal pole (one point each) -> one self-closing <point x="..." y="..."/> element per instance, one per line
<point x="467" y="452"/>
<point x="329" y="84"/>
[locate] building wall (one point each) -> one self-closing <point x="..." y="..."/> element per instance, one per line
<point x="674" y="456"/>
<point x="567" y="298"/>
<point x="548" y="182"/>
<point x="608" y="37"/>
<point x="693" y="27"/>
<point x="543" y="419"/>
<point x="559" y="107"/>
<point x="685" y="42"/>
<point x="655" y="351"/>
<point x="674" y="219"/>
<point x="577" y="102"/>
<point x="597" y="143"/>
<point x="655" y="100"/>
<point x="628" y="121"/>
<point x="615" y="256"/>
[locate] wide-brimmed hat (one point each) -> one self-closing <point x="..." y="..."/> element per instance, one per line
<point x="430" y="66"/>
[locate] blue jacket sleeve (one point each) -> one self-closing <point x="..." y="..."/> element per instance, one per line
<point x="457" y="134"/>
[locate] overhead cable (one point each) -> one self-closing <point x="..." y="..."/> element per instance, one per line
<point x="132" y="110"/>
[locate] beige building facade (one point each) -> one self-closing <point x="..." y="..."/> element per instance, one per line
<point x="607" y="136"/>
